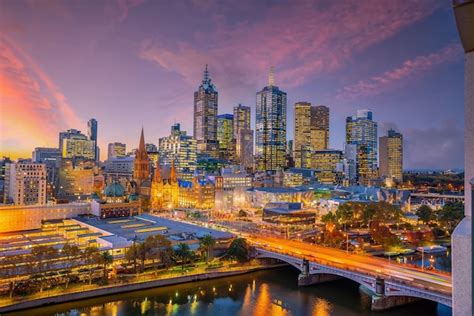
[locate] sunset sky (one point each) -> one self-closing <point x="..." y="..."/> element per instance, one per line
<point x="134" y="63"/>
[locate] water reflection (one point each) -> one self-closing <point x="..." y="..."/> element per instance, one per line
<point x="273" y="292"/>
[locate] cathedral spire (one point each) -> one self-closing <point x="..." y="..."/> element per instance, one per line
<point x="141" y="146"/>
<point x="271" y="77"/>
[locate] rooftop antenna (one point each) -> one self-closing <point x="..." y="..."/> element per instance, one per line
<point x="271" y="77"/>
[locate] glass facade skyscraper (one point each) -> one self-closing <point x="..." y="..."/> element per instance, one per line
<point x="205" y="117"/>
<point x="270" y="128"/>
<point x="391" y="156"/>
<point x="361" y="131"/>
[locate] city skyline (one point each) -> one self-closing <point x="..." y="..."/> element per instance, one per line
<point x="142" y="76"/>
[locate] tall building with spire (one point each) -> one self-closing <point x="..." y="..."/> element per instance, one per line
<point x="141" y="165"/>
<point x="205" y="117"/>
<point x="270" y="127"/>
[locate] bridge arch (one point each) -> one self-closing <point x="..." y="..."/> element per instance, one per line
<point x="391" y="289"/>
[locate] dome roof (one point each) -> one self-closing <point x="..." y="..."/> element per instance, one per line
<point x="133" y="197"/>
<point x="114" y="189"/>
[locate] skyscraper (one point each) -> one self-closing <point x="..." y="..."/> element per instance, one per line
<point x="311" y="132"/>
<point x="241" y="118"/>
<point x="244" y="148"/>
<point x="225" y="135"/>
<point x="92" y="135"/>
<point x="361" y="130"/>
<point x="302" y="141"/>
<point x="271" y="127"/>
<point x="180" y="149"/>
<point x="319" y="127"/>
<point x="205" y="117"/>
<point x="391" y="156"/>
<point x="243" y="136"/>
<point x="141" y="165"/>
<point x="73" y="144"/>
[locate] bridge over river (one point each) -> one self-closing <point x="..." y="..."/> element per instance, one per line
<point x="388" y="283"/>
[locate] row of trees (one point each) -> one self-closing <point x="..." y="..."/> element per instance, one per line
<point x="43" y="262"/>
<point x="448" y="216"/>
<point x="359" y="214"/>
<point x="158" y="249"/>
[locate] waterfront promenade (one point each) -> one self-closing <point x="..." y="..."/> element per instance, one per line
<point x="132" y="283"/>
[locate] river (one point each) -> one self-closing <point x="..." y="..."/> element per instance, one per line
<point x="270" y="292"/>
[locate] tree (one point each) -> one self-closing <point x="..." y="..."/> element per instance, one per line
<point x="451" y="214"/>
<point x="424" y="213"/>
<point x="71" y="252"/>
<point x="239" y="250"/>
<point x="160" y="250"/>
<point x="42" y="257"/>
<point x="91" y="257"/>
<point x="382" y="235"/>
<point x="183" y="253"/>
<point x="105" y="259"/>
<point x="207" y="243"/>
<point x="144" y="251"/>
<point x="132" y="254"/>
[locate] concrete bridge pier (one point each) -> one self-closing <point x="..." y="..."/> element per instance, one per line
<point x="306" y="279"/>
<point x="378" y="301"/>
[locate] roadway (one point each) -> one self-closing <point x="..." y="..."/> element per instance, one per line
<point x="369" y="265"/>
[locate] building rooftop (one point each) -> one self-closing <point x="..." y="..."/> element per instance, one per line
<point x="139" y="227"/>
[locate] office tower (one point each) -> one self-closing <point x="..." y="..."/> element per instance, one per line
<point x="225" y="136"/>
<point x="116" y="150"/>
<point x="271" y="127"/>
<point x="180" y="149"/>
<point x="141" y="165"/>
<point x="92" y="135"/>
<point x="73" y="144"/>
<point x="51" y="158"/>
<point x="25" y="183"/>
<point x="311" y="132"/>
<point x="241" y="119"/>
<point x="391" y="156"/>
<point x="244" y="148"/>
<point x="325" y="162"/>
<point x="319" y="127"/>
<point x="42" y="154"/>
<point x="361" y="131"/>
<point x="350" y="161"/>
<point x="243" y="136"/>
<point x="302" y="142"/>
<point x="76" y="179"/>
<point x="205" y="117"/>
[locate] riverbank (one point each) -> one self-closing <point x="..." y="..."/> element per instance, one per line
<point x="84" y="293"/>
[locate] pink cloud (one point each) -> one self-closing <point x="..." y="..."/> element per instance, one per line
<point x="394" y="77"/>
<point x="302" y="40"/>
<point x="32" y="107"/>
